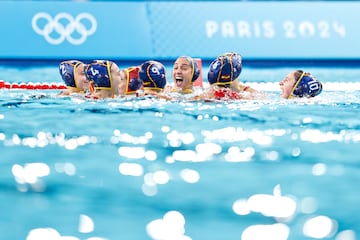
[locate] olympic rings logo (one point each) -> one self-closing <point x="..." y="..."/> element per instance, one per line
<point x="64" y="26"/>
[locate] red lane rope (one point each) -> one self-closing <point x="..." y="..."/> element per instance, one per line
<point x="32" y="86"/>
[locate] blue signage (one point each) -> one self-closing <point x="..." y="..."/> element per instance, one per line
<point x="165" y="30"/>
<point x="74" y="30"/>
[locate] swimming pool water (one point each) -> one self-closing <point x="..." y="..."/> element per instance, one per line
<point x="150" y="169"/>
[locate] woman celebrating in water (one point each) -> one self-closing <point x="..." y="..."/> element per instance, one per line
<point x="184" y="73"/>
<point x="300" y="84"/>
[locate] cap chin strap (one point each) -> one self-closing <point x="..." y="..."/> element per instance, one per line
<point x="188" y="88"/>
<point x="296" y="84"/>
<point x="220" y="71"/>
<point x="108" y="65"/>
<point x="153" y="89"/>
<point x="74" y="72"/>
<point x="187" y="91"/>
<point x="127" y="75"/>
<point x="228" y="84"/>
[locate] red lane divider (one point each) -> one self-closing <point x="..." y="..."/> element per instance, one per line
<point x="32" y="86"/>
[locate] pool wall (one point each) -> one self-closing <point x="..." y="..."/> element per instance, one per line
<point x="164" y="30"/>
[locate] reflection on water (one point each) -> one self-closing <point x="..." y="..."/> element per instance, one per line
<point x="148" y="169"/>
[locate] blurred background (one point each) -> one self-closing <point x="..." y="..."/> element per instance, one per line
<point x="264" y="32"/>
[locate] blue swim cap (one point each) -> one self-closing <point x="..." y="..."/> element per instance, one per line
<point x="221" y="71"/>
<point x="99" y="72"/>
<point x="236" y="61"/>
<point x="134" y="84"/>
<point x="195" y="67"/>
<point x="67" y="72"/>
<point x="153" y="75"/>
<point x="306" y="86"/>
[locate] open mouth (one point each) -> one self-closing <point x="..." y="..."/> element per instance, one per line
<point x="178" y="81"/>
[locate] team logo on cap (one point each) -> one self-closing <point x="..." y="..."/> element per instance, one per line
<point x="64" y="27"/>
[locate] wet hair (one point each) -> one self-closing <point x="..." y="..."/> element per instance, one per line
<point x="297" y="75"/>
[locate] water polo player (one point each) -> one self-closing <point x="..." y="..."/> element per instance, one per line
<point x="73" y="75"/>
<point x="236" y="60"/>
<point x="184" y="73"/>
<point x="153" y="76"/>
<point x="300" y="84"/>
<point x="108" y="81"/>
<point x="221" y="75"/>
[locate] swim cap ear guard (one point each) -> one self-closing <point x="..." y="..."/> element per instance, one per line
<point x="153" y="75"/>
<point x="196" y="70"/>
<point x="307" y="86"/>
<point x="221" y="71"/>
<point x="67" y="72"/>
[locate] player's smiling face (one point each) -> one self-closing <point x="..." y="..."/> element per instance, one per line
<point x="287" y="84"/>
<point x="182" y="73"/>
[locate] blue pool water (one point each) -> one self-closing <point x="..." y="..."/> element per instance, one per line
<point x="148" y="169"/>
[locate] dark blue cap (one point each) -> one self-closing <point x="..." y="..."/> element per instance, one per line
<point x="152" y="74"/>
